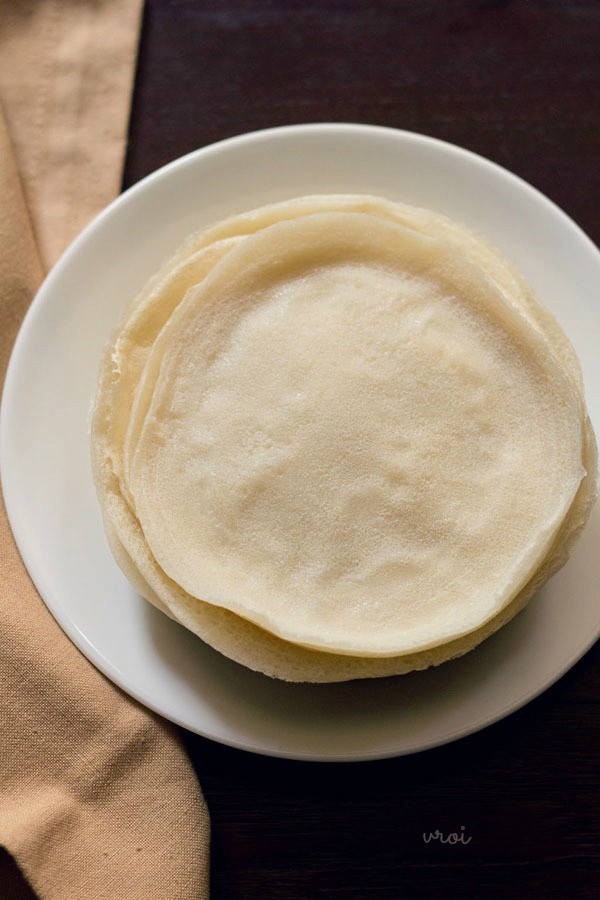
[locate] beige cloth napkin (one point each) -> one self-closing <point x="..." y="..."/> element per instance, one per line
<point x="98" y="799"/>
<point x="66" y="70"/>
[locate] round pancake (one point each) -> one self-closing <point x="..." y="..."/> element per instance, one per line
<point x="228" y="632"/>
<point x="352" y="440"/>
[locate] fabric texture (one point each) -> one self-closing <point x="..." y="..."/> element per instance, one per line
<point x="66" y="70"/>
<point x="97" y="796"/>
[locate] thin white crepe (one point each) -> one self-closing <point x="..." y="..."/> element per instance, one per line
<point x="352" y="441"/>
<point x="405" y="638"/>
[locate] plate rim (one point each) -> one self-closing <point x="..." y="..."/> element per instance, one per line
<point x="11" y="500"/>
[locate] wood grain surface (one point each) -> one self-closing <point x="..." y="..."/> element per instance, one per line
<point x="519" y="83"/>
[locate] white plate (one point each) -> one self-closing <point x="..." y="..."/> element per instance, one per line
<point x="46" y="470"/>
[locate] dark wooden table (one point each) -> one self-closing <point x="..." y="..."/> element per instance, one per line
<point x="520" y="83"/>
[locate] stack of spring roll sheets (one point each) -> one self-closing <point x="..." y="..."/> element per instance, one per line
<point x="339" y="437"/>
